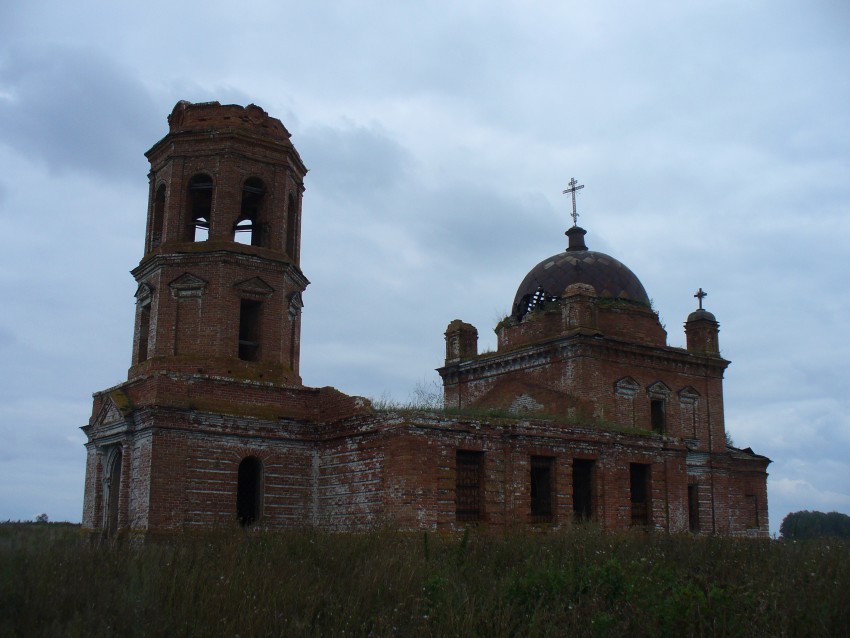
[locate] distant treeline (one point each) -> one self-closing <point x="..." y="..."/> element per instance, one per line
<point x="805" y="525"/>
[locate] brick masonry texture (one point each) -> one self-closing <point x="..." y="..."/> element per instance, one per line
<point x="213" y="427"/>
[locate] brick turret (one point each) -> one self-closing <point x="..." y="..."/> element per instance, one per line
<point x="461" y="341"/>
<point x="701" y="331"/>
<point x="219" y="286"/>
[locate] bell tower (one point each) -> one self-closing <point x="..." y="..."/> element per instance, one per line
<point x="219" y="285"/>
<point x="213" y="426"/>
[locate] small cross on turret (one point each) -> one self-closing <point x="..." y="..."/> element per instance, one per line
<point x="701" y="294"/>
<point x="574" y="186"/>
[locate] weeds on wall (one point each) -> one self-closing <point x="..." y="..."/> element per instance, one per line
<point x="428" y="397"/>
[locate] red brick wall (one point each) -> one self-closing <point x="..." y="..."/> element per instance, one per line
<point x="182" y="473"/>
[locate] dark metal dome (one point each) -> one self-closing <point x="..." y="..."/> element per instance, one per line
<point x="578" y="265"/>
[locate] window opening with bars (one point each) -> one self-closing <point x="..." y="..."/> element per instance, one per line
<point x="249" y="329"/>
<point x="468" y="483"/>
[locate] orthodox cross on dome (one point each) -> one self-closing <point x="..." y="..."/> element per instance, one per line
<point x="701" y="294"/>
<point x="574" y="186"/>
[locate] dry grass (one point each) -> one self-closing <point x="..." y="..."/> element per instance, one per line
<point x="307" y="583"/>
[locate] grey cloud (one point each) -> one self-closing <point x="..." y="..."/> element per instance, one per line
<point x="353" y="162"/>
<point x="360" y="174"/>
<point x="75" y="109"/>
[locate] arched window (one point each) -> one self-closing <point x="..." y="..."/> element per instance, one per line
<point x="158" y="216"/>
<point x="248" y="229"/>
<point x="249" y="491"/>
<point x="199" y="207"/>
<point x="112" y="485"/>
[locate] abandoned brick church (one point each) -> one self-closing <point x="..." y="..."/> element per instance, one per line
<point x="583" y="412"/>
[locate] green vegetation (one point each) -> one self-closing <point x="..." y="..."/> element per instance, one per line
<point x="807" y="525"/>
<point x="494" y="415"/>
<point x="428" y="397"/>
<point x="307" y="583"/>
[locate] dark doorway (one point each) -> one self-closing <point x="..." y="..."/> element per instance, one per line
<point x="541" y="488"/>
<point x="693" y="507"/>
<point x="583" y="489"/>
<point x="249" y="491"/>
<point x="639" y="487"/>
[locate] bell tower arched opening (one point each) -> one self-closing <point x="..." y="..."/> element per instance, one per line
<point x="248" y="228"/>
<point x="199" y="207"/>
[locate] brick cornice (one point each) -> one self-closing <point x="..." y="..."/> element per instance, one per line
<point x="580" y="346"/>
<point x="187" y="254"/>
<point x="192" y="144"/>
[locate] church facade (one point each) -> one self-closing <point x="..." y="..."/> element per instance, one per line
<point x="583" y="412"/>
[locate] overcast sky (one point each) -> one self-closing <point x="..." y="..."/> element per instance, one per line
<point x="713" y="139"/>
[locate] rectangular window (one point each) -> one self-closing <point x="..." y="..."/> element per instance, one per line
<point x="542" y="473"/>
<point x="639" y="492"/>
<point x="693" y="508"/>
<point x="657" y="413"/>
<point x="583" y="489"/>
<point x="468" y="483"/>
<point x="249" y="330"/>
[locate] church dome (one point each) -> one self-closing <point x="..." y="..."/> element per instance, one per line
<point x="578" y="265"/>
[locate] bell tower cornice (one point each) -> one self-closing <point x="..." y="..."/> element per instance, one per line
<point x="248" y="256"/>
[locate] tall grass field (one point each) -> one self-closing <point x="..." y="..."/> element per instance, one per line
<point x="580" y="582"/>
